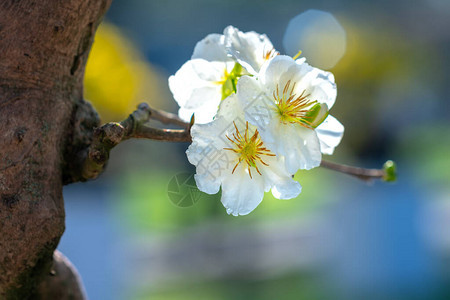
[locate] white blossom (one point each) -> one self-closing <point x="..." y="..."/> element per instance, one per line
<point x="250" y="49"/>
<point x="212" y="73"/>
<point x="288" y="101"/>
<point x="229" y="153"/>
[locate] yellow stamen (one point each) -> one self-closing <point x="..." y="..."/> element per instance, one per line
<point x="297" y="55"/>
<point x="268" y="54"/>
<point x="293" y="108"/>
<point x="224" y="78"/>
<point x="249" y="150"/>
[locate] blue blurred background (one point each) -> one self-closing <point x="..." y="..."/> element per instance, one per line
<point x="341" y="238"/>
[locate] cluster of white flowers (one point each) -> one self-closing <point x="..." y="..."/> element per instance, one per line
<point x="259" y="117"/>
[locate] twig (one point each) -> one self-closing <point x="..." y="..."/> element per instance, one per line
<point x="164" y="117"/>
<point x="386" y="174"/>
<point x="170" y="135"/>
<point x="111" y="134"/>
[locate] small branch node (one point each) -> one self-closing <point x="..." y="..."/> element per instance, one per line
<point x="136" y="125"/>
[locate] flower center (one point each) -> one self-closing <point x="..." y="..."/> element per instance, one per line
<point x="229" y="80"/>
<point x="298" y="109"/>
<point x="249" y="149"/>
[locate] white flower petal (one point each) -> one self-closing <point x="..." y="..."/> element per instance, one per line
<point x="186" y="115"/>
<point x="259" y="109"/>
<point x="230" y="108"/>
<point x="300" y="60"/>
<point x="194" y="83"/>
<point x="207" y="184"/>
<point x="206" y="113"/>
<point x="211" y="48"/>
<point x="330" y="134"/>
<point x="286" y="190"/>
<point x="271" y="72"/>
<point x="317" y="84"/>
<point x="324" y="88"/>
<point x="247" y="88"/>
<point x="283" y="186"/>
<point x="205" y="140"/>
<point x="300" y="146"/>
<point x="242" y="194"/>
<point x="249" y="48"/>
<point x="207" y="154"/>
<point x="203" y="114"/>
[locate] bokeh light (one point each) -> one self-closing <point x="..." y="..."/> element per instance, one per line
<point x="318" y="35"/>
<point x="118" y="77"/>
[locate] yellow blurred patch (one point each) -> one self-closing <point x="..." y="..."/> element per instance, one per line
<point x="118" y="78"/>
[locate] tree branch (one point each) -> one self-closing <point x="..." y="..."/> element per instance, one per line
<point x="136" y="125"/>
<point x="388" y="173"/>
<point x="163" y="116"/>
<point x="111" y="134"/>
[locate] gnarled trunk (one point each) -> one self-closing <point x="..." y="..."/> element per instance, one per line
<point x="44" y="126"/>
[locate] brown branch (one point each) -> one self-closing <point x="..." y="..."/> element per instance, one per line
<point x="111" y="134"/>
<point x="136" y="125"/>
<point x="164" y="117"/>
<point x="171" y="135"/>
<point x="386" y="174"/>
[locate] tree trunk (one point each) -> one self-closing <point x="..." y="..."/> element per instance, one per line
<point x="45" y="125"/>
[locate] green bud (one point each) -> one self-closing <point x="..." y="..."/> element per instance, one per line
<point x="390" y="170"/>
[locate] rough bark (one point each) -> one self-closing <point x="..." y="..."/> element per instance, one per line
<point x="44" y="125"/>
